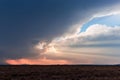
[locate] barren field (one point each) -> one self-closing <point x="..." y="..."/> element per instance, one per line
<point x="60" y="72"/>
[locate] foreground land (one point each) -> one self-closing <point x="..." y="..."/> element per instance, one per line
<point x="60" y="72"/>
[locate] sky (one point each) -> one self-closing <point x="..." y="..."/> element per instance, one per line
<point x="46" y="32"/>
<point x="110" y="20"/>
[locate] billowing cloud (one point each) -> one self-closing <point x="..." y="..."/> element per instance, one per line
<point x="99" y="41"/>
<point x="99" y="32"/>
<point x="96" y="34"/>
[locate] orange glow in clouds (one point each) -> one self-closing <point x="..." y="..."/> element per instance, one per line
<point x="43" y="48"/>
<point x="42" y="61"/>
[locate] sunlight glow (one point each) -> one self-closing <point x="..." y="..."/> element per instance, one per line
<point x="42" y="61"/>
<point x="47" y="48"/>
<point x="52" y="49"/>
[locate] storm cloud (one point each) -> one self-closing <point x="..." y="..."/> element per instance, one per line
<point x="25" y="23"/>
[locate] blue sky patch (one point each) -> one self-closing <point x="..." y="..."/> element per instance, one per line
<point x="112" y="20"/>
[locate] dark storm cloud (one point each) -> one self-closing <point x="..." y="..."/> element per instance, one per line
<point x="25" y="22"/>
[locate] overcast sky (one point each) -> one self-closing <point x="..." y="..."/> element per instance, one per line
<point x="59" y="31"/>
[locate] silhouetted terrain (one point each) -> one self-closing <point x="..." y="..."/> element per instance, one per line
<point x="60" y="72"/>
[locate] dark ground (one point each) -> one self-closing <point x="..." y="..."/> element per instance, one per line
<point x="59" y="72"/>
